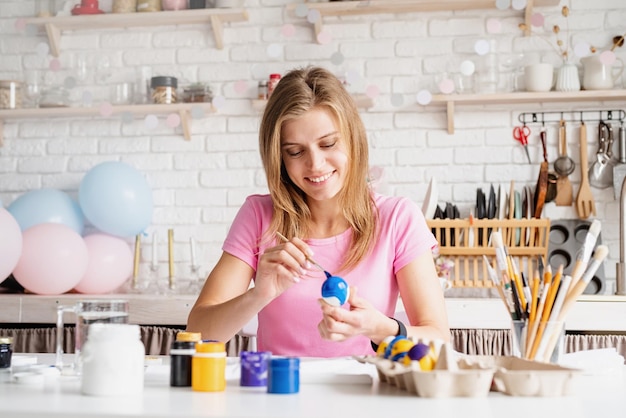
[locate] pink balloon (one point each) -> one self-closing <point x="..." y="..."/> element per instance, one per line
<point x="10" y="243"/>
<point x="54" y="259"/>
<point x="110" y="264"/>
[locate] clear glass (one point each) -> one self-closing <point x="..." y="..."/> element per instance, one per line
<point x="33" y="85"/>
<point x="102" y="311"/>
<point x="45" y="8"/>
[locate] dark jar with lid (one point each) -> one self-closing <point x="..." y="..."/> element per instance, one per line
<point x="164" y="89"/>
<point x="6" y="351"/>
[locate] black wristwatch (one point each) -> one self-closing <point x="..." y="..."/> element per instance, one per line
<point x="401" y="331"/>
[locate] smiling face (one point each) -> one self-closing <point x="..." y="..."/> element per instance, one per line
<point x="314" y="154"/>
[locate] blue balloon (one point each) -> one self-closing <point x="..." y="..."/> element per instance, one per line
<point x="116" y="199"/>
<point x="47" y="206"/>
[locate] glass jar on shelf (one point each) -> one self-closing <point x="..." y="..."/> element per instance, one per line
<point x="164" y="89"/>
<point x="10" y="94"/>
<point x="148" y="5"/>
<point x="197" y="93"/>
<point x="55" y="97"/>
<point x="124" y="6"/>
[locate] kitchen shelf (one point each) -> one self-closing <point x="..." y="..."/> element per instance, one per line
<point x="353" y="8"/>
<point x="362" y="102"/>
<point x="450" y="100"/>
<point x="183" y="109"/>
<point x="54" y="26"/>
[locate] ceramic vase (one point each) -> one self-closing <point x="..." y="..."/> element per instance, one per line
<point x="567" y="78"/>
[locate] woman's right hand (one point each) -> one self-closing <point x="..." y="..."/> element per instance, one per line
<point x="281" y="267"/>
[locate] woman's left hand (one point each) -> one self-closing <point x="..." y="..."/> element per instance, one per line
<point x="339" y="324"/>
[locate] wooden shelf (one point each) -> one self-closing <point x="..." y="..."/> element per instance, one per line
<point x="450" y="100"/>
<point x="362" y="102"/>
<point x="353" y="8"/>
<point x="183" y="109"/>
<point x="54" y="26"/>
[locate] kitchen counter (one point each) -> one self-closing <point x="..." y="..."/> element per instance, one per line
<point x="590" y="313"/>
<point x="336" y="389"/>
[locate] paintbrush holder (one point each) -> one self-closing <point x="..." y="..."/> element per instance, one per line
<point x="566" y="239"/>
<point x="538" y="341"/>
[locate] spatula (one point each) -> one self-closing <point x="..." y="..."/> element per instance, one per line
<point x="585" y="205"/>
<point x="564" y="193"/>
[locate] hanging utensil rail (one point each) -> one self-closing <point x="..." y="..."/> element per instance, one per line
<point x="572" y="116"/>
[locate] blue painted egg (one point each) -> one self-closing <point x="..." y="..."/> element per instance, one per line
<point x="335" y="291"/>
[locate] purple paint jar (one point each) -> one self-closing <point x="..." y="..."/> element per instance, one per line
<point x="254" y="366"/>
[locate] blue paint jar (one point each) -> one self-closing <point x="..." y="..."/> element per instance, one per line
<point x="254" y="366"/>
<point x="284" y="375"/>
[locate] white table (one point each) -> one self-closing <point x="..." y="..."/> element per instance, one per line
<point x="599" y="396"/>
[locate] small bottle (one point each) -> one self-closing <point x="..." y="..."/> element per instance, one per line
<point x="274" y="79"/>
<point x="6" y="351"/>
<point x="113" y="360"/>
<point x="263" y="90"/>
<point x="208" y="367"/>
<point x="181" y="354"/>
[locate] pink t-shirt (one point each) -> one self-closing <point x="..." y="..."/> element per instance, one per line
<point x="288" y="325"/>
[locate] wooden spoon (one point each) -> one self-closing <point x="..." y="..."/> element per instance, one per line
<point x="564" y="193"/>
<point x="585" y="205"/>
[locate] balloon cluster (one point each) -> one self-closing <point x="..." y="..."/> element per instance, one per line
<point x="42" y="233"/>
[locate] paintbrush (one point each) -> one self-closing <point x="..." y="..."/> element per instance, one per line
<point x="584" y="253"/>
<point x="533" y="326"/>
<point x="493" y="275"/>
<point x="285" y="239"/>
<point x="553" y="328"/>
<point x="547" y="309"/>
<point x="501" y="257"/>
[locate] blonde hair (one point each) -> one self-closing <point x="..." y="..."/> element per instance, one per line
<point x="298" y="92"/>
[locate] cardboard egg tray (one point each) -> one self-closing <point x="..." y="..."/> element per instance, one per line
<point x="476" y="376"/>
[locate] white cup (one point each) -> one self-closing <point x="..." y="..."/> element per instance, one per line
<point x="445" y="283"/>
<point x="539" y="77"/>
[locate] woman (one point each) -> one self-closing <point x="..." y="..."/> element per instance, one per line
<point x="315" y="154"/>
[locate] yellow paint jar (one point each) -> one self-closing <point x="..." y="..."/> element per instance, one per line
<point x="208" y="367"/>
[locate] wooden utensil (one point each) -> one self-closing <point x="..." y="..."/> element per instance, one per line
<point x="585" y="204"/>
<point x="564" y="193"/>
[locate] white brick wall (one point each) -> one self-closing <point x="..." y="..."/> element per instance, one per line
<point x="199" y="185"/>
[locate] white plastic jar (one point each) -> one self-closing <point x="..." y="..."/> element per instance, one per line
<point x="113" y="360"/>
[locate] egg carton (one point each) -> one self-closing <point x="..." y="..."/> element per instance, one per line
<point x="566" y="239"/>
<point x="476" y="376"/>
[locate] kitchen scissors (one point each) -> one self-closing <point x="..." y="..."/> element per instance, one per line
<point x="521" y="134"/>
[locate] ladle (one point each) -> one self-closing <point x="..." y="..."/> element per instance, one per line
<point x="563" y="165"/>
